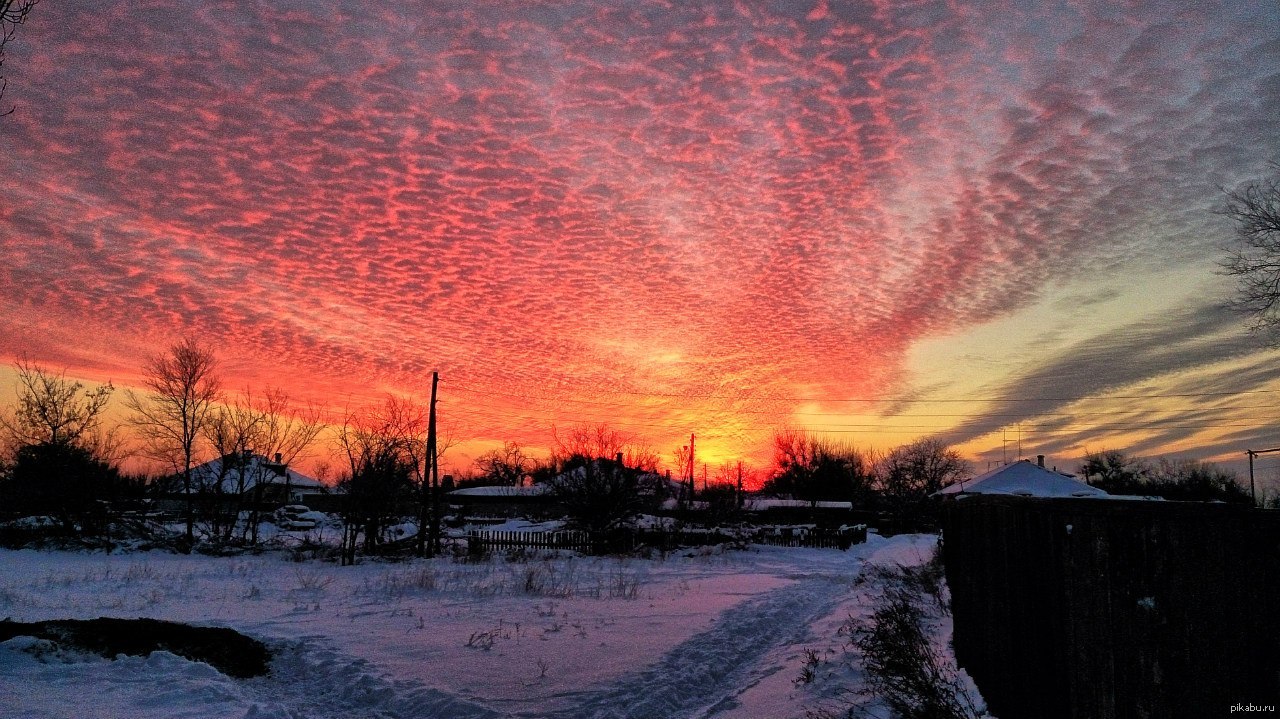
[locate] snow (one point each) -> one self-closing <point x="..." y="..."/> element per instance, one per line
<point x="521" y="525"/>
<point x="761" y="504"/>
<point x="1027" y="479"/>
<point x="534" y="490"/>
<point x="256" y="469"/>
<point x="705" y="633"/>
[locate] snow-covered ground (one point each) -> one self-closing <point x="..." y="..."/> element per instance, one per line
<point x="715" y="634"/>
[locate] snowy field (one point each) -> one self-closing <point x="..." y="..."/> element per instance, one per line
<point x="716" y="634"/>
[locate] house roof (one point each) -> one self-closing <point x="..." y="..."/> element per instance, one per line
<point x="536" y="490"/>
<point x="1025" y="478"/>
<point x="258" y="470"/>
<point x="759" y="504"/>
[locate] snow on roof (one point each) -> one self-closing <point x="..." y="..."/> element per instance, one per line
<point x="762" y="503"/>
<point x="535" y="490"/>
<point x="1027" y="479"/>
<point x="258" y="470"/>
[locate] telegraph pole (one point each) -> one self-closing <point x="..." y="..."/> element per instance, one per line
<point x="739" y="484"/>
<point x="1254" y="453"/>
<point x="689" y="473"/>
<point x="435" y="467"/>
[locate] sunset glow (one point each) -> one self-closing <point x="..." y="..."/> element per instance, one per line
<point x="880" y="220"/>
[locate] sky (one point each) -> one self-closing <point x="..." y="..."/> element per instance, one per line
<point x="880" y="220"/>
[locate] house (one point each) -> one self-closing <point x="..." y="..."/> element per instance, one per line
<point x="254" y="476"/>
<point x="1024" y="478"/>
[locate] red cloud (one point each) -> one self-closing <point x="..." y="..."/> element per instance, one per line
<point x="745" y="200"/>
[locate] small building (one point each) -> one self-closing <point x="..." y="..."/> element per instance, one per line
<point x="1024" y="478"/>
<point x="255" y="477"/>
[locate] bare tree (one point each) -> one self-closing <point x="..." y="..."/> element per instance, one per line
<point x="12" y="14"/>
<point x="1254" y="260"/>
<point x="506" y="465"/>
<point x="184" y="387"/>
<point x="63" y="462"/>
<point x="52" y="409"/>
<point x="384" y="449"/>
<point x="911" y="473"/>
<point x="735" y="474"/>
<point x="256" y="438"/>
<point x="599" y="494"/>
<point x="812" y="468"/>
<point x="597" y="474"/>
<point x="286" y="430"/>
<point x="587" y="441"/>
<point x="231" y="431"/>
<point x="584" y="442"/>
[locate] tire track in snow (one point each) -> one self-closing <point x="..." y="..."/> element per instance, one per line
<point x="311" y="682"/>
<point x="709" y="669"/>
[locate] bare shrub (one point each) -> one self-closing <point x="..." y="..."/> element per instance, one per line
<point x="904" y="667"/>
<point x="809" y="669"/>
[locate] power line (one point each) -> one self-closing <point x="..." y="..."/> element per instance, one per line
<point x="1012" y="415"/>
<point x="886" y="399"/>
<point x="497" y="414"/>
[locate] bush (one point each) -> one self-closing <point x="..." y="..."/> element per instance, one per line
<point x="63" y="481"/>
<point x="903" y="666"/>
<point x="1184" y="481"/>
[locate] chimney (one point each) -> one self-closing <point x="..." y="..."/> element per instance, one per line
<point x="279" y="457"/>
<point x="1040" y="461"/>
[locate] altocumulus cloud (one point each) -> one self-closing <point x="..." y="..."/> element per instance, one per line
<point x="680" y="198"/>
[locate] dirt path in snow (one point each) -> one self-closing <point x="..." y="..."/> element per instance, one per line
<point x="313" y="682"/>
<point x="702" y="676"/>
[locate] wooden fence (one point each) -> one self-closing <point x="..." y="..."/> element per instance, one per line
<point x="627" y="540"/>
<point x="574" y="540"/>
<point x="1099" y="609"/>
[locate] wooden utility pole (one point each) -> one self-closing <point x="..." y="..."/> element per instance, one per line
<point x="1254" y="453"/>
<point x="434" y="468"/>
<point x="689" y="472"/>
<point x="429" y="496"/>
<point x="740" y="497"/>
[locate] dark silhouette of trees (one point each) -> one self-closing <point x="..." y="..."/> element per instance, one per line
<point x="723" y="502"/>
<point x="505" y="466"/>
<point x="1114" y="472"/>
<point x="601" y="442"/>
<point x="64" y="481"/>
<point x="12" y="14"/>
<point x="598" y="494"/>
<point x="1187" y="480"/>
<point x="58" y="468"/>
<point x="1254" y="260"/>
<point x="184" y="387"/>
<point x="909" y="474"/>
<point x="52" y="409"/>
<point x="1191" y="481"/>
<point x="385" y="450"/>
<point x="812" y="468"/>
<point x="598" y="475"/>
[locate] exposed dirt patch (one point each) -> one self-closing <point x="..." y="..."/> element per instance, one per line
<point x="226" y="650"/>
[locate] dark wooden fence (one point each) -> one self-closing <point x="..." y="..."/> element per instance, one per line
<point x="1100" y="609"/>
<point x="574" y="540"/>
<point x="627" y="540"/>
